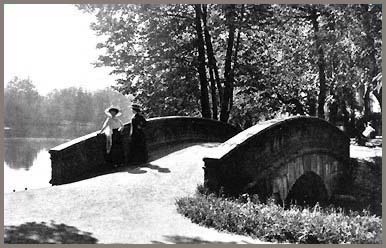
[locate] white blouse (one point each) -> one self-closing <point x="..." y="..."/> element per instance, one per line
<point x="110" y="124"/>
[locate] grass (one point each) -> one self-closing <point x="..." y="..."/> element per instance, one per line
<point x="269" y="222"/>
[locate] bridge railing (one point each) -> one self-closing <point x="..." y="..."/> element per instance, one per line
<point x="83" y="157"/>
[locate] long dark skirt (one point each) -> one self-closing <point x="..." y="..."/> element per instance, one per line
<point x="138" y="149"/>
<point x="116" y="155"/>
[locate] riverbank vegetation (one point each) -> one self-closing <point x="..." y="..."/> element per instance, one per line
<point x="245" y="215"/>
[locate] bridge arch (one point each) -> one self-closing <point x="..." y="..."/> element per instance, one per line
<point x="309" y="189"/>
<point x="271" y="156"/>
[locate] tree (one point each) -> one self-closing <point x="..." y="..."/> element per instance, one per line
<point x="321" y="62"/>
<point x="157" y="61"/>
<point x="22" y="103"/>
<point x="371" y="56"/>
<point x="226" y="103"/>
<point x="212" y="66"/>
<point x="83" y="111"/>
<point x="201" y="63"/>
<point x="257" y="61"/>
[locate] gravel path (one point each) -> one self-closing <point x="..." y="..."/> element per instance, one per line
<point x="135" y="205"/>
<point x="366" y="153"/>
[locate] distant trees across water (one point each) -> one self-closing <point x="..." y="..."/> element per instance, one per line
<point x="23" y="105"/>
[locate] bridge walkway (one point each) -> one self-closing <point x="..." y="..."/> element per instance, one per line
<point x="131" y="206"/>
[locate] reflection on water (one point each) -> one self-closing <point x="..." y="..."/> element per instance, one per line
<point x="20" y="153"/>
<point x="27" y="162"/>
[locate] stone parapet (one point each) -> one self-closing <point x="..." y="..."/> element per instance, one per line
<point x="83" y="157"/>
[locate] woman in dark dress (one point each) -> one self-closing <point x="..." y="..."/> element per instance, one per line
<point x="138" y="147"/>
<point x="112" y="128"/>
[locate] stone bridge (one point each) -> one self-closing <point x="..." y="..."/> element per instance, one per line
<point x="83" y="157"/>
<point x="299" y="159"/>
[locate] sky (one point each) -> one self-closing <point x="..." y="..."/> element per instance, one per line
<point x="53" y="46"/>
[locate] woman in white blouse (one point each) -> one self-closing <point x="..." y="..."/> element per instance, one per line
<point x="112" y="128"/>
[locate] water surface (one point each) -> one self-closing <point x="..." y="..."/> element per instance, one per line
<point x="27" y="163"/>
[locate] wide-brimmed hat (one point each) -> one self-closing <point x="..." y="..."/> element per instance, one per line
<point x="136" y="107"/>
<point x="116" y="108"/>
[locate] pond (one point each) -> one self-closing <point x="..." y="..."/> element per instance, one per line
<point x="27" y="163"/>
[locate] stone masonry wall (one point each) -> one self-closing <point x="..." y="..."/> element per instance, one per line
<point x="84" y="156"/>
<point x="271" y="160"/>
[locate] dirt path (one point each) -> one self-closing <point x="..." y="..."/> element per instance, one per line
<point x="135" y="205"/>
<point x="363" y="152"/>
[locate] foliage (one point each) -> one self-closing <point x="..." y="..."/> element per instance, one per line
<point x="152" y="53"/>
<point x="270" y="222"/>
<point x="23" y="105"/>
<point x="252" y="62"/>
<point x="366" y="176"/>
<point x="22" y="102"/>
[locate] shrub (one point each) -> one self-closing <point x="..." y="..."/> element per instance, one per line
<point x="270" y="222"/>
<point x="367" y="184"/>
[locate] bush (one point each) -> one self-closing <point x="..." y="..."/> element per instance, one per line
<point x="367" y="184"/>
<point x="270" y="222"/>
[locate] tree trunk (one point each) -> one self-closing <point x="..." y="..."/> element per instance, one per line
<point x="211" y="58"/>
<point x="205" y="109"/>
<point x="378" y="94"/>
<point x="232" y="76"/>
<point x="334" y="61"/>
<point x="312" y="105"/>
<point x="212" y="65"/>
<point x="366" y="100"/>
<point x="228" y="82"/>
<point x="370" y="60"/>
<point x="213" y="94"/>
<point x="321" y="64"/>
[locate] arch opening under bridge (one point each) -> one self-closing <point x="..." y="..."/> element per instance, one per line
<point x="308" y="189"/>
